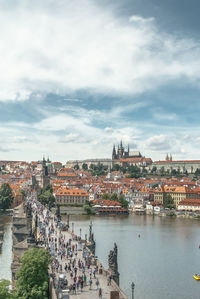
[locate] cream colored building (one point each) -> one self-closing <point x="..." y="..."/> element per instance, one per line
<point x="105" y="162"/>
<point x="71" y="196"/>
<point x="192" y="205"/>
<point x="186" y="165"/>
<point x="177" y="193"/>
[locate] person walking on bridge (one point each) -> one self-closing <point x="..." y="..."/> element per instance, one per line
<point x="100" y="293"/>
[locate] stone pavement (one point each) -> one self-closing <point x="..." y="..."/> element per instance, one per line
<point x="87" y="293"/>
<point x="56" y="241"/>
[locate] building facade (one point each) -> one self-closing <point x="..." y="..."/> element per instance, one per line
<point x="71" y="196"/>
<point x="190" y="205"/>
<point x="178" y="194"/>
<point x="188" y="165"/>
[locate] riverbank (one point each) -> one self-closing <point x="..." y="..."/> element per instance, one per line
<point x="77" y="210"/>
<point x="71" y="210"/>
<point x="177" y="214"/>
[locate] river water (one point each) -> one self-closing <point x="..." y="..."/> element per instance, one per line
<point x="6" y="253"/>
<point x="161" y="262"/>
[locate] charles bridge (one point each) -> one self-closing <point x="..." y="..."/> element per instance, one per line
<point x="26" y="235"/>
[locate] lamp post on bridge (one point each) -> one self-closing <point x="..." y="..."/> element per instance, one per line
<point x="132" y="288"/>
<point x="72" y="227"/>
<point x="80" y="232"/>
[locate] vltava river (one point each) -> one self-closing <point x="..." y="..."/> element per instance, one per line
<point x="161" y="262"/>
<point x="6" y="253"/>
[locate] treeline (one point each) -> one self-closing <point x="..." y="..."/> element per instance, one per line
<point x="6" y="196"/>
<point x="46" y="196"/>
<point x="115" y="197"/>
<point x="32" y="278"/>
<point x="133" y="171"/>
<point x="96" y="170"/>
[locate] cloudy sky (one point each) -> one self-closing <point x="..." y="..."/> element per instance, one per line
<point x="78" y="76"/>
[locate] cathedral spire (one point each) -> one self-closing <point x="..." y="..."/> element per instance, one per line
<point x="114" y="153"/>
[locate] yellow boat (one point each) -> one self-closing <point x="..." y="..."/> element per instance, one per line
<point x="196" y="276"/>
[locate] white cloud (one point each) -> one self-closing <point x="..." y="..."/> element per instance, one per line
<point x="58" y="46"/>
<point x="159" y="114"/>
<point x="159" y="143"/>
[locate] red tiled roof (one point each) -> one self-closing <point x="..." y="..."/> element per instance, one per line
<point x="181" y="161"/>
<point x="72" y="192"/>
<point x="190" y="202"/>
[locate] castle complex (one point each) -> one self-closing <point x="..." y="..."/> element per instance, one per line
<point x="120" y="156"/>
<point x="121" y="153"/>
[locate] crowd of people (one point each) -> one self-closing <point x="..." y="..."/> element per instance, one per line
<point x="69" y="267"/>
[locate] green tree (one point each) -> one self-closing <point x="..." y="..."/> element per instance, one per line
<point x="154" y="169"/>
<point x="85" y="166"/>
<point x="162" y="171"/>
<point x="32" y="278"/>
<point x="114" y="196"/>
<point x="144" y="170"/>
<point x="76" y="167"/>
<point x="123" y="201"/>
<point x="106" y="196"/>
<point x="4" y="289"/>
<point x="197" y="172"/>
<point x="98" y="169"/>
<point x="92" y="166"/>
<point x="173" y="172"/>
<point x="46" y="196"/>
<point x="168" y="201"/>
<point x="134" y="171"/>
<point x="48" y="188"/>
<point x="6" y="196"/>
<point x="116" y="167"/>
<point x="88" y="208"/>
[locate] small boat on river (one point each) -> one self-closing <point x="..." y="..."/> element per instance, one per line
<point x="196" y="276"/>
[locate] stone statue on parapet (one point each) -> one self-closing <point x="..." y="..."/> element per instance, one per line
<point x="28" y="210"/>
<point x="90" y="232"/>
<point x="113" y="264"/>
<point x="92" y="245"/>
<point x="58" y="212"/>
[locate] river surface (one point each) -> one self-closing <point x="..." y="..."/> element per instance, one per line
<point x="6" y="253"/>
<point x="161" y="262"/>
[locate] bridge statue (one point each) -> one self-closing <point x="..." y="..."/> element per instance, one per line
<point x="113" y="264"/>
<point x="92" y="245"/>
<point x="58" y="212"/>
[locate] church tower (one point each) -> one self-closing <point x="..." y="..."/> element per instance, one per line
<point x="167" y="158"/>
<point x="120" y="151"/>
<point x="170" y="158"/>
<point x="114" y="154"/>
<point x="45" y="179"/>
